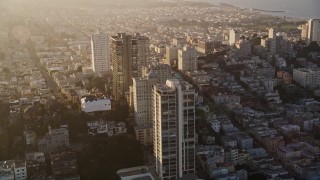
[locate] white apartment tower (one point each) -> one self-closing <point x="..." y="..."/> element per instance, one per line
<point x="174" y="129"/>
<point x="187" y="59"/>
<point x="100" y="53"/>
<point x="142" y="99"/>
<point x="304" y="31"/>
<point x="271" y="34"/>
<point x="314" y="30"/>
<point x="234" y="36"/>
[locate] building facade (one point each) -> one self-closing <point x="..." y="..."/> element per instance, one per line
<point x="100" y="53"/>
<point x="187" y="59"/>
<point x="13" y="170"/>
<point x="314" y="30"/>
<point x="64" y="165"/>
<point x="142" y="99"/>
<point x="55" y="139"/>
<point x="307" y="77"/>
<point x="171" y="54"/>
<point x="205" y="47"/>
<point x="174" y="129"/>
<point x="244" y="47"/>
<point x="128" y="55"/>
<point x="234" y="36"/>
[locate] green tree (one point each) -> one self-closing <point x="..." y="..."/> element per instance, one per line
<point x="103" y="157"/>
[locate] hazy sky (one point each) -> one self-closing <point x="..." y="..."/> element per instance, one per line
<point x="293" y="8"/>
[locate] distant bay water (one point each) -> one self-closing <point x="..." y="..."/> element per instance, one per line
<point x="302" y="9"/>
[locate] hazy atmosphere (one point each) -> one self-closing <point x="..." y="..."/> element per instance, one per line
<point x="159" y="89"/>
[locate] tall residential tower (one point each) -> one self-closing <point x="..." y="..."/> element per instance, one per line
<point x="100" y="53"/>
<point x="128" y="55"/>
<point x="174" y="129"/>
<point x="142" y="99"/>
<point x="234" y="36"/>
<point x="314" y="30"/>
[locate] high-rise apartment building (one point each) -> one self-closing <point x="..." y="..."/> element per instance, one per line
<point x="142" y="99"/>
<point x="143" y="52"/>
<point x="304" y="31"/>
<point x="179" y="41"/>
<point x="171" y="54"/>
<point x="174" y="129"/>
<point x="269" y="44"/>
<point x="187" y="59"/>
<point x="100" y="53"/>
<point x="163" y="71"/>
<point x="314" y="30"/>
<point x="271" y="34"/>
<point x="128" y="55"/>
<point x="205" y="46"/>
<point x="234" y="36"/>
<point x="244" y="47"/>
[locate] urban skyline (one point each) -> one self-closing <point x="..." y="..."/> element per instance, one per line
<point x="157" y="89"/>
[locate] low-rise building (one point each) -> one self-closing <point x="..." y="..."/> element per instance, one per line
<point x="93" y="104"/>
<point x="244" y="141"/>
<point x="134" y="173"/>
<point x="7" y="170"/>
<point x="106" y="127"/>
<point x="36" y="165"/>
<point x="64" y="165"/>
<point x="20" y="170"/>
<point x="13" y="170"/>
<point x="55" y="139"/>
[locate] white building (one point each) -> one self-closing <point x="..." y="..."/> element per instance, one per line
<point x="98" y="127"/>
<point x="20" y="170"/>
<point x="234" y="36"/>
<point x="304" y="31"/>
<point x="142" y="99"/>
<point x="106" y="127"/>
<point x="271" y="34"/>
<point x="174" y="129"/>
<point x="307" y="77"/>
<point x="314" y="30"/>
<point x="187" y="59"/>
<point x="100" y="53"/>
<point x="268" y="84"/>
<point x="215" y="125"/>
<point x="163" y="71"/>
<point x="92" y="104"/>
<point x="142" y="88"/>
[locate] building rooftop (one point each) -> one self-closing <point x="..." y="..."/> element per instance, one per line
<point x="135" y="173"/>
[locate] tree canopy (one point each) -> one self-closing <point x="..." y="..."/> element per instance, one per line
<point x="103" y="157"/>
